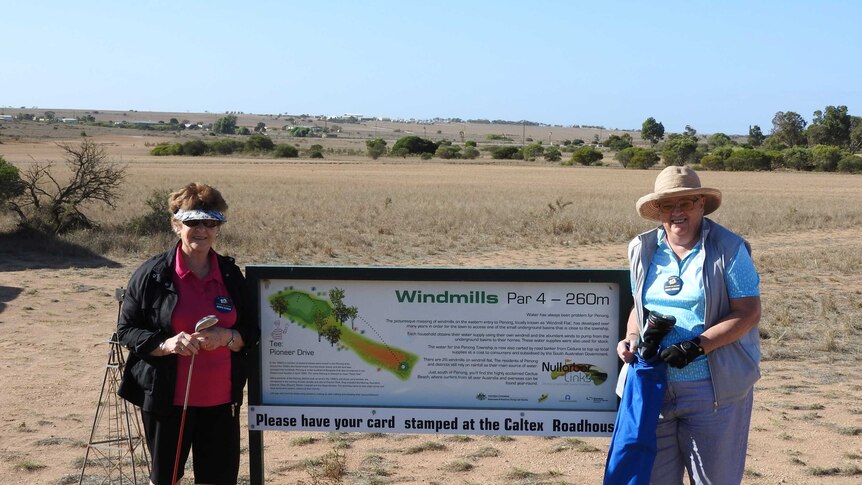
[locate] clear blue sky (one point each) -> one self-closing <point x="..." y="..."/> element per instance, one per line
<point x="717" y="66"/>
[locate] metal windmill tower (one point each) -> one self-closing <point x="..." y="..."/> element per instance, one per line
<point x="116" y="452"/>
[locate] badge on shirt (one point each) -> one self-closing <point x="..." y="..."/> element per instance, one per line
<point x="222" y="304"/>
<point x="673" y="285"/>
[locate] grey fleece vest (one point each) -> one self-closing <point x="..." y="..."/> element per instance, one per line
<point x="734" y="368"/>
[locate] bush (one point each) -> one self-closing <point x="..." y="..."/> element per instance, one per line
<point x="532" y="151"/>
<point x="680" y="150"/>
<point x="284" y="150"/>
<point x="195" y="148"/>
<point x="748" y="159"/>
<point x="225" y="147"/>
<point x="506" y="153"/>
<point x="225" y="125"/>
<point x="299" y="131"/>
<point x="850" y="164"/>
<point x="315" y="151"/>
<point x="156" y="220"/>
<point x="636" y="157"/>
<point x="10" y="181"/>
<point x="447" y="152"/>
<point x="47" y="205"/>
<point x="586" y="156"/>
<point x="495" y="137"/>
<point x="415" y="145"/>
<point x="470" y="152"/>
<point x="825" y="157"/>
<point x="552" y="154"/>
<point x="712" y="162"/>
<point x="470" y="143"/>
<point x="797" y="158"/>
<point x="376" y="147"/>
<point x="257" y="144"/>
<point x="618" y="142"/>
<point x="167" y="149"/>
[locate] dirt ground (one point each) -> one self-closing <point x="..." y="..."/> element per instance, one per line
<point x="57" y="317"/>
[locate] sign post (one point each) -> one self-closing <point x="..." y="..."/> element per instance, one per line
<point x="434" y="350"/>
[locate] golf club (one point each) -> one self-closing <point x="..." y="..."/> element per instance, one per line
<point x="203" y="324"/>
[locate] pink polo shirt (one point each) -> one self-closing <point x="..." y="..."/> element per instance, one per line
<point x="198" y="298"/>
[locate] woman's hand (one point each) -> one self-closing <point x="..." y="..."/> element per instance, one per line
<point x="181" y="344"/>
<point x="213" y="337"/>
<point x="627" y="347"/>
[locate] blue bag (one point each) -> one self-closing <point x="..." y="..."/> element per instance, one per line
<point x="633" y="444"/>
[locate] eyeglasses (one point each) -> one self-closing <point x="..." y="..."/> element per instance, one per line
<point x="208" y="223"/>
<point x="684" y="205"/>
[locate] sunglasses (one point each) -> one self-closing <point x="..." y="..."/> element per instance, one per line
<point x="208" y="223"/>
<point x="684" y="205"/>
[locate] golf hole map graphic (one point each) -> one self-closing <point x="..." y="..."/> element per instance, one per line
<point x="437" y="356"/>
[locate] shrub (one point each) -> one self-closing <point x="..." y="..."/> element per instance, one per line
<point x="470" y="152"/>
<point x="285" y="150"/>
<point x="712" y="162"/>
<point x="532" y="151"/>
<point x="850" y="164"/>
<point x="797" y="158"/>
<point x="156" y="220"/>
<point x="447" y="152"/>
<point x="375" y="147"/>
<point x="47" y="205"/>
<point x="586" y="156"/>
<point x="167" y="149"/>
<point x="748" y="159"/>
<point x="225" y="125"/>
<point x="470" y="143"/>
<point x="680" y="150"/>
<point x="618" y="142"/>
<point x="496" y="137"/>
<point x="415" y="145"/>
<point x="315" y="151"/>
<point x="225" y="147"/>
<point x="506" y="153"/>
<point x="299" y="131"/>
<point x="825" y="157"/>
<point x="636" y="157"/>
<point x="258" y="143"/>
<point x="552" y="154"/>
<point x="195" y="148"/>
<point x="10" y="181"/>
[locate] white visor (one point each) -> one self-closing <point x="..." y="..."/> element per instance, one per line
<point x="183" y="215"/>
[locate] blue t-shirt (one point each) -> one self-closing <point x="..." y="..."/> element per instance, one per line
<point x="688" y="305"/>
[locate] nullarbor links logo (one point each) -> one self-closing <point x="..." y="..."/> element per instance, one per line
<point x="575" y="373"/>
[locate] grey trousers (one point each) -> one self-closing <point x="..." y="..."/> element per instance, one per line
<point x="708" y="442"/>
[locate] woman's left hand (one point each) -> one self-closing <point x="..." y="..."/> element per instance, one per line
<point x="213" y="337"/>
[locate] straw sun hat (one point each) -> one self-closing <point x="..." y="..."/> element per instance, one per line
<point x="676" y="181"/>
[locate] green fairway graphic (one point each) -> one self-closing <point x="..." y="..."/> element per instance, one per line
<point x="327" y="318"/>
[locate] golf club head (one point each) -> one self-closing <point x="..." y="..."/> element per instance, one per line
<point x="206" y="322"/>
<point x="657" y="327"/>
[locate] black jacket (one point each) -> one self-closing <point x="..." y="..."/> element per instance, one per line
<point x="145" y="322"/>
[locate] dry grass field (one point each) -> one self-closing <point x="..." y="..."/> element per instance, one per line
<point x="57" y="310"/>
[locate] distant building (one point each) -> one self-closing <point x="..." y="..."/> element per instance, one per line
<point x="69" y="120"/>
<point x="7" y="118"/>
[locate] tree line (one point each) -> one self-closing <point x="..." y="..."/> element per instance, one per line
<point x="830" y="143"/>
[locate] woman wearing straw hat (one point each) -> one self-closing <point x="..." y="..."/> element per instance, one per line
<point x="702" y="274"/>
